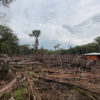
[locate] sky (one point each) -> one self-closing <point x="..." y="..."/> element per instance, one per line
<point x="65" y="22"/>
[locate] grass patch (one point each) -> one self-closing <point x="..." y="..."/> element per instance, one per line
<point x="30" y="73"/>
<point x="17" y="93"/>
<point x="21" y="94"/>
<point x="80" y="76"/>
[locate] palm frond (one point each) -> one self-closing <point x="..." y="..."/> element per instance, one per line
<point x="30" y="35"/>
<point x="36" y="33"/>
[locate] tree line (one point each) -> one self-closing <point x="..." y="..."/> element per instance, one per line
<point x="87" y="48"/>
<point x="9" y="44"/>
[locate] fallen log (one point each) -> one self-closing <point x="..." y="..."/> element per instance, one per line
<point x="10" y="86"/>
<point x="91" y="94"/>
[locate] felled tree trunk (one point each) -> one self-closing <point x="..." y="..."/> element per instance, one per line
<point x="10" y="86"/>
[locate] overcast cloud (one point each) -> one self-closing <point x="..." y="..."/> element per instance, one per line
<point x="68" y="22"/>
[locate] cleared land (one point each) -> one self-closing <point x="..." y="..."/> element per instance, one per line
<point x="67" y="77"/>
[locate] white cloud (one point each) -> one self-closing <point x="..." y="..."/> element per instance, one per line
<point x="67" y="21"/>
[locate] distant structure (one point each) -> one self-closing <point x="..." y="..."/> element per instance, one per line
<point x="92" y="56"/>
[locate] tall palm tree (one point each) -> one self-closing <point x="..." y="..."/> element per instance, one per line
<point x="36" y="34"/>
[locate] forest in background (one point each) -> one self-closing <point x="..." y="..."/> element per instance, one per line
<point x="9" y="44"/>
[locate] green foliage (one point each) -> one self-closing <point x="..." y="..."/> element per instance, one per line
<point x="97" y="39"/>
<point x="21" y="94"/>
<point x="17" y="94"/>
<point x="91" y="47"/>
<point x="6" y="96"/>
<point x="30" y="73"/>
<point x="80" y="76"/>
<point x="8" y="41"/>
<point x="9" y="44"/>
<point x="23" y="49"/>
<point x="36" y="34"/>
<point x="56" y="46"/>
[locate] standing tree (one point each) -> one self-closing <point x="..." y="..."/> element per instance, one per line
<point x="36" y="34"/>
<point x="56" y="46"/>
<point x="8" y="41"/>
<point x="98" y="41"/>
